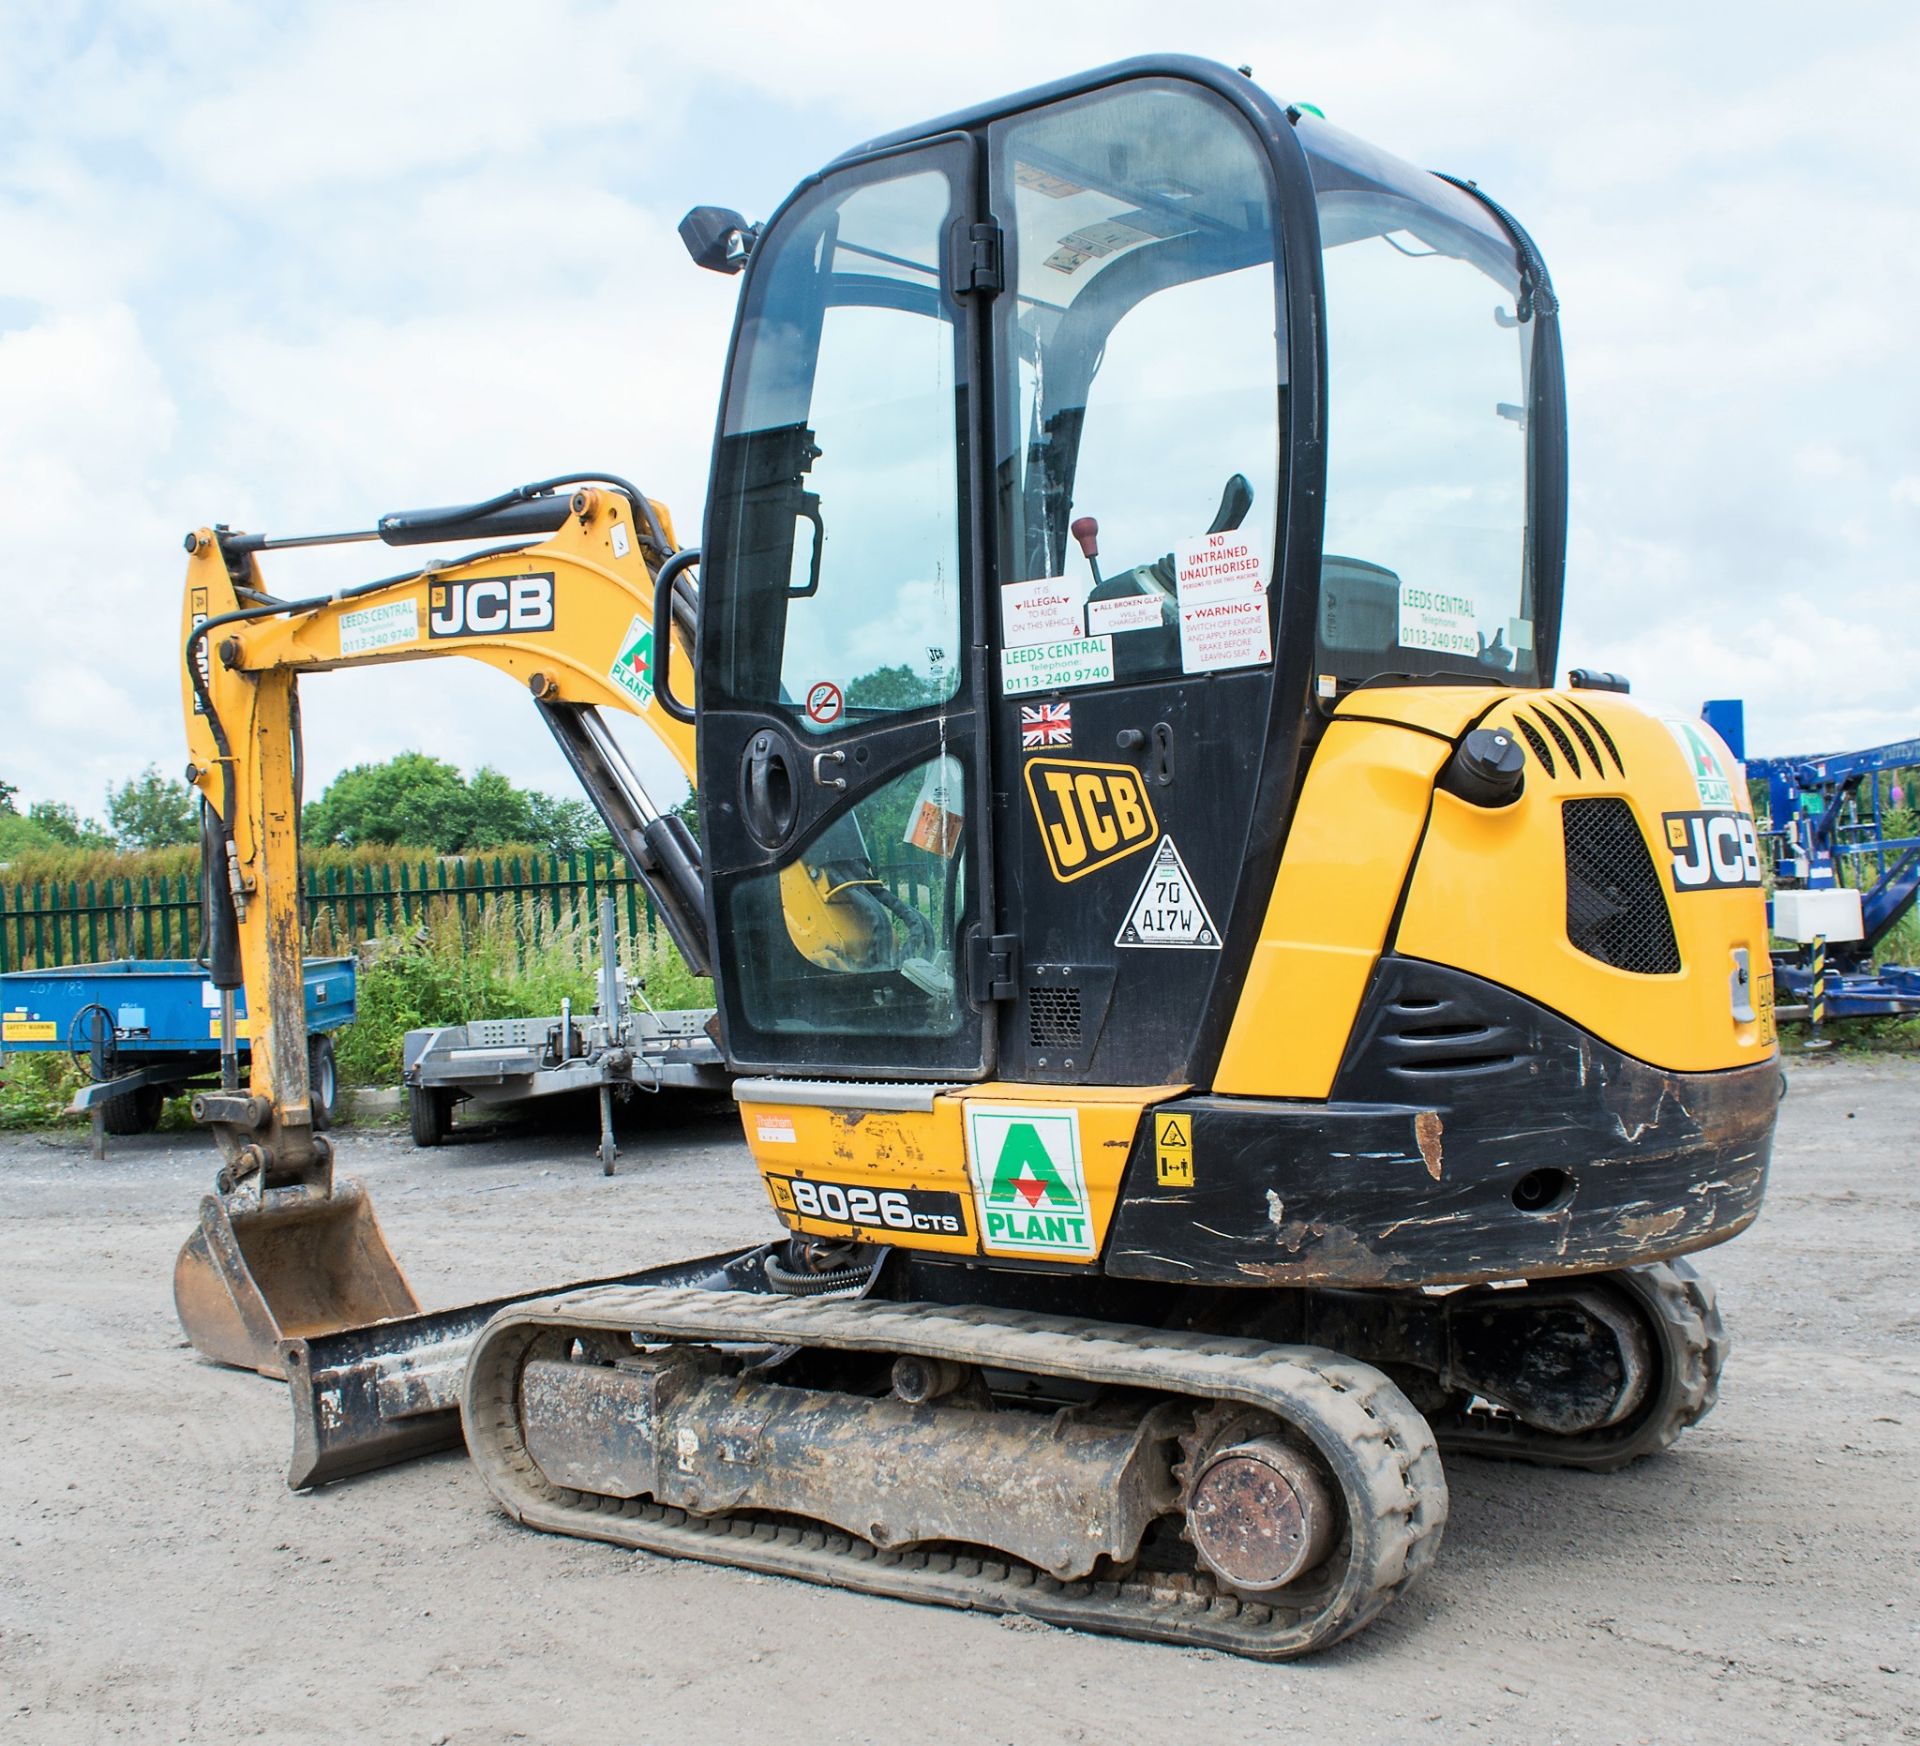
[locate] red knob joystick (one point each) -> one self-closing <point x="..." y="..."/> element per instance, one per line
<point x="1086" y="534"/>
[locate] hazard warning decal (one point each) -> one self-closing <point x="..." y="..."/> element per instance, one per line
<point x="1173" y="1149"/>
<point x="1167" y="910"/>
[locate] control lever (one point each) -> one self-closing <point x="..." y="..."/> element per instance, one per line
<point x="1086" y="535"/>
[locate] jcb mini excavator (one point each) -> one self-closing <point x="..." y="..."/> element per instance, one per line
<point x="1217" y="1029"/>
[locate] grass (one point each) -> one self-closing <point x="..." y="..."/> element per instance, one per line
<point x="493" y="968"/>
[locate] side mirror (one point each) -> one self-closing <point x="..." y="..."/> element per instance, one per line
<point x="718" y="238"/>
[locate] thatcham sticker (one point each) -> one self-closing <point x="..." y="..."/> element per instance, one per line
<point x="1029" y="1187"/>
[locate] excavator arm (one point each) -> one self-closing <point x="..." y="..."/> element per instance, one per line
<point x="574" y="616"/>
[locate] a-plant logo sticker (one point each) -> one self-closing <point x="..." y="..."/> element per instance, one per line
<point x="1090" y="815"/>
<point x="1701" y="748"/>
<point x="632" y="669"/>
<point x="494" y="606"/>
<point x="1029" y="1187"/>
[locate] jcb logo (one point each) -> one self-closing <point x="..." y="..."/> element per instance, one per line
<point x="1712" y="851"/>
<point x="495" y="607"/>
<point x="1090" y="815"/>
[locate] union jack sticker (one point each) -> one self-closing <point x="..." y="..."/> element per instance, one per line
<point x="1045" y="724"/>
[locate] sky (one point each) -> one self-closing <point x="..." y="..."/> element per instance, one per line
<point x="290" y="267"/>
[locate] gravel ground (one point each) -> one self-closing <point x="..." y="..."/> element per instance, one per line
<point x="158" y="1582"/>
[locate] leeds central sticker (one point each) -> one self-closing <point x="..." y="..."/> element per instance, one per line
<point x="1090" y="815"/>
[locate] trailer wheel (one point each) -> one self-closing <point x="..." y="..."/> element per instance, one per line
<point x="133" y="1112"/>
<point x="429" y="1115"/>
<point x="323" y="1081"/>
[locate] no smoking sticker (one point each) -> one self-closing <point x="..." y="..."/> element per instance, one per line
<point x="824" y="702"/>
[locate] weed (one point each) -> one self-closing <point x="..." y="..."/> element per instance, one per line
<point x="496" y="966"/>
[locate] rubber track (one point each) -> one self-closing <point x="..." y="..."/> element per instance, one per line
<point x="1371" y="1439"/>
<point x="1691" y="1346"/>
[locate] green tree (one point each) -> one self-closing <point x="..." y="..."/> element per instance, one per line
<point x="412" y="798"/>
<point x="7" y="792"/>
<point x="61" y="824"/>
<point x="894" y="688"/>
<point x="497" y="812"/>
<point x="563" y="827"/>
<point x="152" y="811"/>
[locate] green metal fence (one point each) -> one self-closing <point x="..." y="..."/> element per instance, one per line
<point x="49" y="922"/>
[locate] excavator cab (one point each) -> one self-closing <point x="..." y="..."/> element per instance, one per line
<point x="1078" y="455"/>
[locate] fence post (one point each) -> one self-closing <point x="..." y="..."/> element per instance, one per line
<point x="5" y="957"/>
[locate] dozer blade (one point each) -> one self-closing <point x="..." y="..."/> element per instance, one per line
<point x="371" y="1397"/>
<point x="299" y="1266"/>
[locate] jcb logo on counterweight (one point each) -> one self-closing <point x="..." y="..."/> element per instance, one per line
<point x="1090" y="815"/>
<point x="495" y="606"/>
<point x="1712" y="851"/>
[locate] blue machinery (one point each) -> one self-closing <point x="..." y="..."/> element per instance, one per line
<point x="1828" y="825"/>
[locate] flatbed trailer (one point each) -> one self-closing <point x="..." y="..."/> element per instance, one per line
<point x="622" y="1046"/>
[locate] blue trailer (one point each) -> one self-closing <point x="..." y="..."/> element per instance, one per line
<point x="148" y="1028"/>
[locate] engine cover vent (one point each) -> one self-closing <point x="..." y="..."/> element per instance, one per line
<point x="1616" y="909"/>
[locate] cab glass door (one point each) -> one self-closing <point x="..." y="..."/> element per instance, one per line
<point x="839" y="769"/>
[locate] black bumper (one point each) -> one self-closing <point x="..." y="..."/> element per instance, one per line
<point x="1471" y="1135"/>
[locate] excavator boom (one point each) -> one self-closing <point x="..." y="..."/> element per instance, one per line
<point x="282" y="1251"/>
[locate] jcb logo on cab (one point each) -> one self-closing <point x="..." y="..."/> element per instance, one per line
<point x="1090" y="815"/>
<point x="495" y="606"/>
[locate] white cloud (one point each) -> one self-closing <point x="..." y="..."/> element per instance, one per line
<point x="289" y="270"/>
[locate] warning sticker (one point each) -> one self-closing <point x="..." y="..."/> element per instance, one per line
<point x="632" y="669"/>
<point x="1173" y="1151"/>
<point x="1711" y="778"/>
<point x="1222" y="580"/>
<point x="1045" y="182"/>
<point x="1433" y="620"/>
<point x="1041" y="611"/>
<point x="26" y="1030"/>
<point x="1167" y="911"/>
<point x="775" y="1130"/>
<point x="1029" y="1187"/>
<point x="1057" y="666"/>
<point x="824" y="702"/>
<point x="380" y="627"/>
<point x="1130" y="612"/>
<point x="617" y="535"/>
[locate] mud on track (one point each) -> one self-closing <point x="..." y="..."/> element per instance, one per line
<point x="157" y="1581"/>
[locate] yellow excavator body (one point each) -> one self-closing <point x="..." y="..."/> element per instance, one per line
<point x="1217" y="1026"/>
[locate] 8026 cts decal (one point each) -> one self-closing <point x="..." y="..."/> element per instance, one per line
<point x="873" y="1209"/>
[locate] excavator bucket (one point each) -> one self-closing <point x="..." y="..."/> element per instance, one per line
<point x="252" y="1276"/>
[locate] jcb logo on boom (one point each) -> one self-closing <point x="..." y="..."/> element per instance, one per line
<point x="1712" y="851"/>
<point x="495" y="606"/>
<point x="1090" y="815"/>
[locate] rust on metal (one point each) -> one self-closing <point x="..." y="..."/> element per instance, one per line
<point x="294" y="1265"/>
<point x="1259" y="1515"/>
<point x="1058" y="1490"/>
<point x="1426" y="1134"/>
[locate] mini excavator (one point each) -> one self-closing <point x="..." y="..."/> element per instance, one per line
<point x="1216" y="1027"/>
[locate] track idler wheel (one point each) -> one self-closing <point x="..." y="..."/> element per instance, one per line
<point x="1260" y="1516"/>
